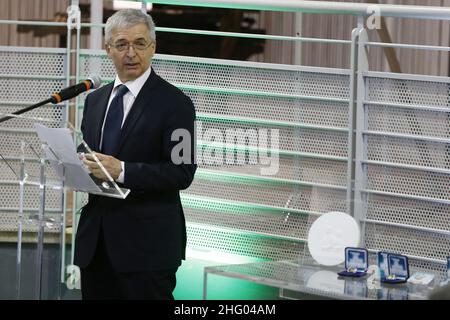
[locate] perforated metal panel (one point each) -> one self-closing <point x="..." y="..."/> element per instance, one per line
<point x="32" y="63"/>
<point x="294" y="168"/>
<point x="254" y="79"/>
<point x="406" y="121"/>
<point x="294" y="111"/>
<point x="241" y="243"/>
<point x="412" y="214"/>
<point x="258" y="221"/>
<point x="312" y="141"/>
<point x="410" y="182"/>
<point x="31" y="197"/>
<point x="408" y="151"/>
<point x="407" y="241"/>
<point x="216" y="74"/>
<point x="11" y="141"/>
<point x="53" y="112"/>
<point x="32" y="76"/>
<point x="271" y="194"/>
<point x="405" y="91"/>
<point x="28" y="90"/>
<point x="247" y="98"/>
<point x="408" y="212"/>
<point x="233" y="207"/>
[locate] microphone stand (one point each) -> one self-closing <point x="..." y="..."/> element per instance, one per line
<point x="34" y="106"/>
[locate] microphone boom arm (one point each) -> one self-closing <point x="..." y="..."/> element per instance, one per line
<point x="64" y="94"/>
<point x="34" y="106"/>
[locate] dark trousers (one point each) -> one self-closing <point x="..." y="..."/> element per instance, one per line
<point x="99" y="281"/>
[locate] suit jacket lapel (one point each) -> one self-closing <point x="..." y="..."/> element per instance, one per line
<point x="100" y="115"/>
<point x="142" y="101"/>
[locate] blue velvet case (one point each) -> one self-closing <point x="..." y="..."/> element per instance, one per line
<point x="447" y="274"/>
<point x="398" y="269"/>
<point x="382" y="260"/>
<point x="356" y="262"/>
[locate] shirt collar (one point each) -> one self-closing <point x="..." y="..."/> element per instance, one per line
<point x="134" y="86"/>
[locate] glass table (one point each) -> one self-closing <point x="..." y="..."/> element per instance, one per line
<point x="309" y="278"/>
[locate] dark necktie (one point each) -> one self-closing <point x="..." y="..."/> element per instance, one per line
<point x="113" y="123"/>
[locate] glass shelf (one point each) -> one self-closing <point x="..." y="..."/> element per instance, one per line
<point x="309" y="278"/>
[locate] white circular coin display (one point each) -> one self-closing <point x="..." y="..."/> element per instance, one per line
<point x="329" y="235"/>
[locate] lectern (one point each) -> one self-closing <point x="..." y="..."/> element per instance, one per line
<point x="44" y="165"/>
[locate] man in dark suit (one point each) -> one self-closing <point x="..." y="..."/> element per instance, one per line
<point x="131" y="248"/>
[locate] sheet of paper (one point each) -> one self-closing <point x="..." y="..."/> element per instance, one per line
<point x="61" y="143"/>
<point x="60" y="140"/>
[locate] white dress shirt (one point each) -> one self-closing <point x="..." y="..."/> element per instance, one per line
<point x="134" y="86"/>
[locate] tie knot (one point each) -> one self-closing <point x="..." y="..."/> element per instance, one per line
<point x="121" y="90"/>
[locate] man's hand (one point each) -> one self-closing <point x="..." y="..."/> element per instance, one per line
<point x="111" y="164"/>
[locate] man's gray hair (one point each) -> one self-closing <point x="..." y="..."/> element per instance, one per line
<point x="129" y="18"/>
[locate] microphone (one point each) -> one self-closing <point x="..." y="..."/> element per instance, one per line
<point x="67" y="93"/>
<point x="72" y="91"/>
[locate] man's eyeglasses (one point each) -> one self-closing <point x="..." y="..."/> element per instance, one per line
<point x="125" y="46"/>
